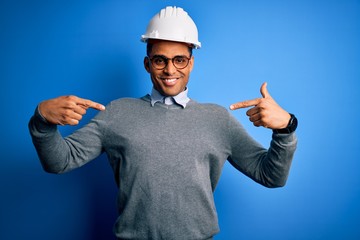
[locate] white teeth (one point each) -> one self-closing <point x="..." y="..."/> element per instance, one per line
<point x="170" y="80"/>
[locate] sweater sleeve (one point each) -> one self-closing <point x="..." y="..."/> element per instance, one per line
<point x="269" y="167"/>
<point x="58" y="154"/>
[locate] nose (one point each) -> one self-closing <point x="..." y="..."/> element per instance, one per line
<point x="170" y="68"/>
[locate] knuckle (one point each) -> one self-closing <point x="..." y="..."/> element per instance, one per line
<point x="68" y="104"/>
<point x="67" y="112"/>
<point x="70" y="97"/>
<point x="64" y="119"/>
<point x="250" y="112"/>
<point x="87" y="103"/>
<point x="245" y="103"/>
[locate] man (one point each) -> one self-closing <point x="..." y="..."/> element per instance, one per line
<point x="167" y="151"/>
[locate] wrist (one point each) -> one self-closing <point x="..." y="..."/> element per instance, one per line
<point x="40" y="115"/>
<point x="291" y="126"/>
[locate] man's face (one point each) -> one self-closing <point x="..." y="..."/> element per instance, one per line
<point x="169" y="81"/>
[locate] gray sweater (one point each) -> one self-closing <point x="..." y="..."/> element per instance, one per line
<point x="167" y="162"/>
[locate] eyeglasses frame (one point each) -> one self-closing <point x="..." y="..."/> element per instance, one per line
<point x="167" y="61"/>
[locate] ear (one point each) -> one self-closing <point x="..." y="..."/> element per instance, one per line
<point x="191" y="63"/>
<point x="147" y="64"/>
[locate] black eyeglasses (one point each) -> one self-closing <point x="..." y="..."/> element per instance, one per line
<point x="160" y="62"/>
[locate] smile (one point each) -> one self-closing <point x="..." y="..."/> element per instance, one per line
<point x="169" y="81"/>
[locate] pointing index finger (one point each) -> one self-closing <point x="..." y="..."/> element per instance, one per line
<point x="245" y="104"/>
<point x="91" y="104"/>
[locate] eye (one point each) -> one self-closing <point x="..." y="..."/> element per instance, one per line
<point x="180" y="60"/>
<point x="158" y="60"/>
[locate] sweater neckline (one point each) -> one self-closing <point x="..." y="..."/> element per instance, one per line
<point x="147" y="98"/>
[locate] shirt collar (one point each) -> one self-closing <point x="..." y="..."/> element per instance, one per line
<point x="180" y="99"/>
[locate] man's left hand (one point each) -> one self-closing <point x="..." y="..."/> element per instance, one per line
<point x="265" y="111"/>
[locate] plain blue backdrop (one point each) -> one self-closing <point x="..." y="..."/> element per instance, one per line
<point x="308" y="52"/>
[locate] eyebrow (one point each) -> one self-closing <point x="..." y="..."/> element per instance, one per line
<point x="163" y="56"/>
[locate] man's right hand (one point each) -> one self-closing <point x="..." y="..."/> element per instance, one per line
<point x="67" y="110"/>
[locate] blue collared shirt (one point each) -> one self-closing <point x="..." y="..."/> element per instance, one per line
<point x="181" y="99"/>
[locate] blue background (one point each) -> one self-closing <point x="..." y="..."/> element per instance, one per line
<point x="307" y="51"/>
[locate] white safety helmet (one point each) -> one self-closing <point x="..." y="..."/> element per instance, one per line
<point x="172" y="24"/>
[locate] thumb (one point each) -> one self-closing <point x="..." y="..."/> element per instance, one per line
<point x="264" y="92"/>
